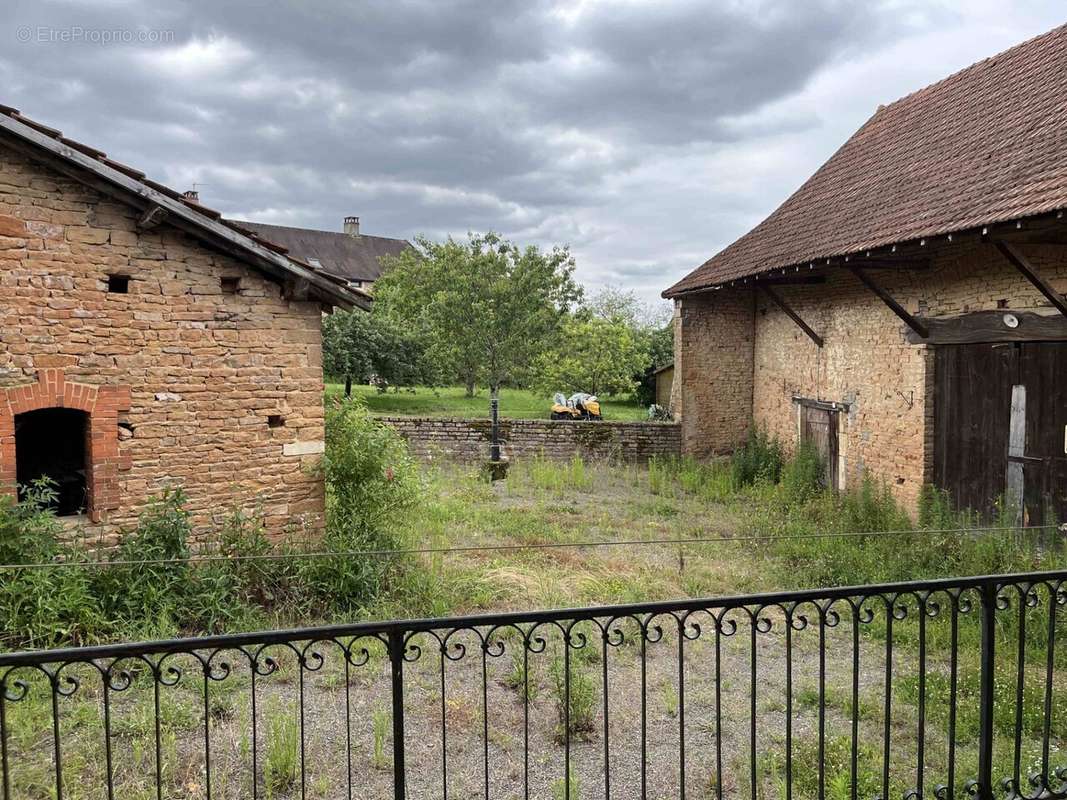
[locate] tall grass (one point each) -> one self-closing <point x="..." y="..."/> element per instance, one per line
<point x="816" y="537"/>
<point x="282" y="757"/>
<point x="556" y="477"/>
<point x="147" y="587"/>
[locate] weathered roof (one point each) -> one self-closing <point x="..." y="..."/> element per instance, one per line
<point x="985" y="145"/>
<point x="94" y="168"/>
<point x="352" y="257"/>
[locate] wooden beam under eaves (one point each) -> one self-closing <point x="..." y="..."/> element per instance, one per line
<point x="153" y="217"/>
<point x="296" y="289"/>
<point x="885" y="263"/>
<point x="793" y="315"/>
<point x="909" y="320"/>
<point x="791" y="280"/>
<point x="1022" y="263"/>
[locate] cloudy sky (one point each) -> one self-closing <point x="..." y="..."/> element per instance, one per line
<point x="646" y="135"/>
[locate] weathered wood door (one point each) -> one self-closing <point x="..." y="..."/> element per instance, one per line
<point x="818" y="426"/>
<point x="1000" y="426"/>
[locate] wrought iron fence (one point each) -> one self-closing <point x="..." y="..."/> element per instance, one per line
<point x="942" y="688"/>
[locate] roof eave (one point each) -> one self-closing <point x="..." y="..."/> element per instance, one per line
<point x="874" y="251"/>
<point x="182" y="216"/>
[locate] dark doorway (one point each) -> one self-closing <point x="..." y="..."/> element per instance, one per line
<point x="1000" y="427"/>
<point x="818" y="427"/>
<point x="51" y="443"/>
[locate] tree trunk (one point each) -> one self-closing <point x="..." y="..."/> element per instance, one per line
<point x="470" y="386"/>
<point x="348" y="385"/>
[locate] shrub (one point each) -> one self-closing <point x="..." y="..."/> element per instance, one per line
<point x="369" y="477"/>
<point x="41" y="607"/>
<point x="148" y="587"/>
<point x="135" y="592"/>
<point x="802" y="475"/>
<point x="252" y="570"/>
<point x="758" y="460"/>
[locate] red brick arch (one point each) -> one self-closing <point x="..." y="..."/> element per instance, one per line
<point x="102" y="404"/>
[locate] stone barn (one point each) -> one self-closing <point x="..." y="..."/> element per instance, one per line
<point x="903" y="310"/>
<point x="146" y="343"/>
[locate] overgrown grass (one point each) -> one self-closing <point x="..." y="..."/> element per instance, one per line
<point x="147" y="587"/>
<point x="575" y="692"/>
<point x="815" y="537"/>
<point x="556" y="476"/>
<point x="555" y="503"/>
<point x="451" y="401"/>
<point x="282" y="763"/>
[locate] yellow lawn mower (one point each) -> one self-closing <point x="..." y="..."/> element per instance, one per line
<point x="578" y="406"/>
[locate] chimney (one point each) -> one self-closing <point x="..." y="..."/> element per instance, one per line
<point x="193" y="196"/>
<point x="352" y="226"/>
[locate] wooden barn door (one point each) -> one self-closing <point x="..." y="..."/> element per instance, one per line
<point x="1000" y="422"/>
<point x="818" y="426"/>
<point x="1043" y="456"/>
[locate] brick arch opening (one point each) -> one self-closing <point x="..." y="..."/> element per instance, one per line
<point x="53" y="444"/>
<point x="100" y="407"/>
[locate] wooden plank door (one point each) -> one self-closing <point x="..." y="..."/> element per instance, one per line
<point x="818" y="426"/>
<point x="1043" y="373"/>
<point x="972" y="414"/>
<point x="1000" y="427"/>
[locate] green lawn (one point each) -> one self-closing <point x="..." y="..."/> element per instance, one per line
<point x="452" y="402"/>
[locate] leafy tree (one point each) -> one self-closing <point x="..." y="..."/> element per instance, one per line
<point x="595" y="355"/>
<point x="652" y="329"/>
<point x="486" y="308"/>
<point x="364" y="346"/>
<point x="660" y="344"/>
<point x="623" y="305"/>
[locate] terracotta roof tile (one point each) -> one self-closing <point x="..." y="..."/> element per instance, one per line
<point x="985" y="145"/>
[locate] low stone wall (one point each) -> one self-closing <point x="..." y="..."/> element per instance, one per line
<point x="468" y="439"/>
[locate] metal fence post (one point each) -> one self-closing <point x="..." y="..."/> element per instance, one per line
<point x="986" y="698"/>
<point x="396" y="660"/>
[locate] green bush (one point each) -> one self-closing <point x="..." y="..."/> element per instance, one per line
<point x="802" y="475"/>
<point x="42" y="607"/>
<point x="758" y="460"/>
<point x="369" y="478"/>
<point x="133" y="592"/>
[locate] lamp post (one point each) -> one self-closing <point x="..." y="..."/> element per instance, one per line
<point x="496" y="468"/>
<point x="494" y="443"/>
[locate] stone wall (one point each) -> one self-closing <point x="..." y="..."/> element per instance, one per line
<point x="221" y="392"/>
<point x="468" y="439"/>
<point x="865" y="363"/>
<point x="713" y="370"/>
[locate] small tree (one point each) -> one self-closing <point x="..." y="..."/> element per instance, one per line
<point x="486" y="308"/>
<point x="652" y="329"/>
<point x="594" y="355"/>
<point x="660" y="344"/>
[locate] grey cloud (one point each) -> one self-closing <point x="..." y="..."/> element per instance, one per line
<point x="434" y="117"/>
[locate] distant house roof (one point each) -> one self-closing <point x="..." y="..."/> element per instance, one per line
<point x="92" y="167"/>
<point x="983" y="146"/>
<point x="354" y="257"/>
<point x="664" y="368"/>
